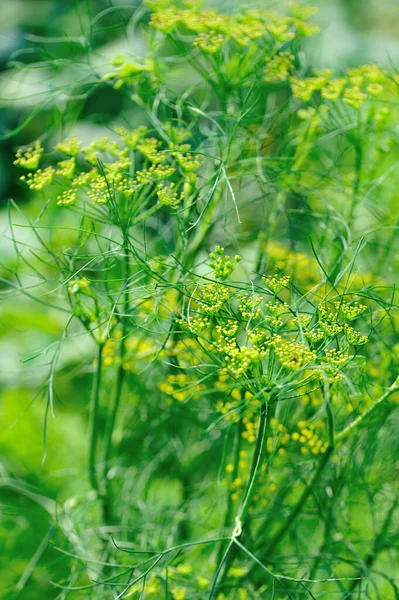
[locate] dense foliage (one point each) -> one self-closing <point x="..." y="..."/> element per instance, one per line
<point x="213" y="280"/>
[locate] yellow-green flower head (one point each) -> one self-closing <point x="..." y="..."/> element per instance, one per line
<point x="39" y="180"/>
<point x="330" y="329"/>
<point x="281" y="32"/>
<point x="81" y="286"/>
<point x="30" y="158"/>
<point x="301" y="11"/>
<point x="279" y="67"/>
<point x="375" y="89"/>
<point x="333" y="90"/>
<point x="354" y="97"/>
<point x="66" y="168"/>
<point x="350" y="311"/>
<point x="131" y="137"/>
<point x="222" y="265"/>
<point x="70" y="146"/>
<point x="155" y="173"/>
<point x="67" y="198"/>
<point x="210" y="43"/>
<point x="249" y="305"/>
<point x="275" y="283"/>
<point x="292" y="355"/>
<point x="354" y="338"/>
<point x="84" y="179"/>
<point x="212" y="298"/>
<point x="178" y="135"/>
<point x="314" y="335"/>
<point x="149" y="147"/>
<point x="128" y="72"/>
<point x="168" y="196"/>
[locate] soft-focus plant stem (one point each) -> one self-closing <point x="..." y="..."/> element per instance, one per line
<point x="378" y="546"/>
<point x="296" y="510"/>
<point x="93" y="422"/>
<point x="234" y="474"/>
<point x="253" y="480"/>
<point x="361" y="419"/>
<point x="285" y="527"/>
<point x="333" y="439"/>
<point x="119" y="385"/>
<point x="356" y="184"/>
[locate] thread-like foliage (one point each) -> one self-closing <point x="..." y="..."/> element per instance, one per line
<point x="218" y="263"/>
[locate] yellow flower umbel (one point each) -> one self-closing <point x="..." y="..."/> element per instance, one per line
<point x="40" y="179"/>
<point x="70" y="146"/>
<point x="30" y="158"/>
<point x="128" y="72"/>
<point x="222" y="265"/>
<point x="279" y="67"/>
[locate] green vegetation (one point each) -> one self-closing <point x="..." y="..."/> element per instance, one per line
<point x="200" y="288"/>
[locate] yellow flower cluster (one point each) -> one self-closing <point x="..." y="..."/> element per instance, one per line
<point x="355" y="87"/>
<point x="350" y="311"/>
<point x="213" y="28"/>
<point x="353" y="337"/>
<point x="128" y="72"/>
<point x="67" y="198"/>
<point x="113" y="173"/>
<point x="168" y="196"/>
<point x="212" y="297"/>
<point x="155" y="172"/>
<point x="30" y="158"/>
<point x="249" y="305"/>
<point x="70" y="146"/>
<point x="38" y="180"/>
<point x="179" y="387"/>
<point x="131" y="137"/>
<point x="250" y="420"/>
<point x="279" y="67"/>
<point x="308" y="439"/>
<point x="66" y="168"/>
<point x="275" y="283"/>
<point x="277" y="309"/>
<point x="292" y="355"/>
<point x="209" y="42"/>
<point x="221" y="264"/>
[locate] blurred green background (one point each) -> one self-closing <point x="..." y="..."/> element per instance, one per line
<point x="55" y="38"/>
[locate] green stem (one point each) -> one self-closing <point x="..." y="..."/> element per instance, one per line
<point x="93" y="423"/>
<point x="328" y="524"/>
<point x="377" y="547"/>
<point x="256" y="470"/>
<point x="356" y="185"/>
<point x="229" y="509"/>
<point x="150" y="211"/>
<point x="118" y="388"/>
<point x="285" y="527"/>
<point x="361" y="419"/>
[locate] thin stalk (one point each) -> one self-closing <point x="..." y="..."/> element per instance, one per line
<point x="253" y="480"/>
<point x="377" y="547"/>
<point x="328" y="524"/>
<point x="229" y="509"/>
<point x="333" y="439"/>
<point x="118" y="388"/>
<point x="356" y="184"/>
<point x="35" y="559"/>
<point x="361" y="419"/>
<point x="285" y="527"/>
<point x="296" y="511"/>
<point x="93" y="423"/>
